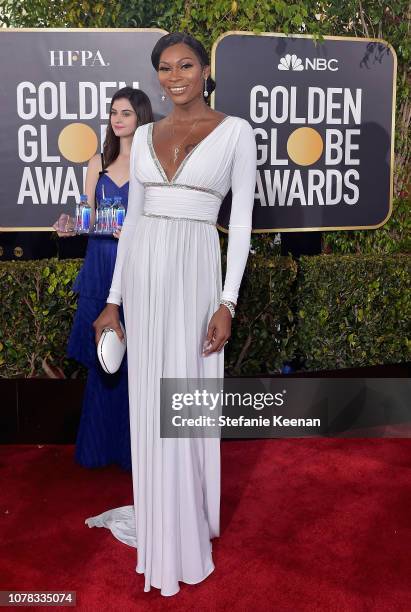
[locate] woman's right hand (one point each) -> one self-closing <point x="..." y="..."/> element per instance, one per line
<point x="64" y="226"/>
<point x="109" y="317"/>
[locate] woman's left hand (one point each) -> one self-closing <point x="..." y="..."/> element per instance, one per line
<point x="219" y="331"/>
<point x="117" y="233"/>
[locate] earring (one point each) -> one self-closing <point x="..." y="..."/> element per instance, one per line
<point x="205" y="89"/>
<point x="163" y="96"/>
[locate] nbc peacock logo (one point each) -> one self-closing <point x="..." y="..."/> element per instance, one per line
<point x="290" y="62"/>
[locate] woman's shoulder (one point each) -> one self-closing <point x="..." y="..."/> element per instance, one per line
<point x="143" y="127"/>
<point x="95" y="161"/>
<point x="241" y="122"/>
<point x="242" y="132"/>
<point x="141" y="132"/>
<point x="94" y="165"/>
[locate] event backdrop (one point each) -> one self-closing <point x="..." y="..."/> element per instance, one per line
<point x="323" y="117"/>
<point x="322" y="113"/>
<point x="55" y="96"/>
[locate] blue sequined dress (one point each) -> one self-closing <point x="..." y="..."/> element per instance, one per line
<point x="103" y="437"/>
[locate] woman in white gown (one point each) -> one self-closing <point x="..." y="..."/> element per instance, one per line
<point x="168" y="276"/>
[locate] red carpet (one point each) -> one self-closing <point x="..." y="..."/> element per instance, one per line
<point x="307" y="525"/>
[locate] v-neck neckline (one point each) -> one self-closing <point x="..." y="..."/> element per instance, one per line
<point x="184" y="161"/>
<point x="114" y="183"/>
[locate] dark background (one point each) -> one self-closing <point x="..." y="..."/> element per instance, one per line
<point x="244" y="61"/>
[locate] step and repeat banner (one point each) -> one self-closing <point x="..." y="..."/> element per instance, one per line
<point x="322" y="114"/>
<point x="55" y="98"/>
<point x="323" y="118"/>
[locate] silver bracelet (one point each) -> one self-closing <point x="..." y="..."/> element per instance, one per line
<point x="229" y="305"/>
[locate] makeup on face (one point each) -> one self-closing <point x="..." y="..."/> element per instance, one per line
<point x="122" y="117"/>
<point x="179" y="76"/>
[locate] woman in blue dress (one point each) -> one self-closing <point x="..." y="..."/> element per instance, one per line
<point x="103" y="437"/>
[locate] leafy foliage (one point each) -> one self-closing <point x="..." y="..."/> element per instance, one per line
<point x="37" y="309"/>
<point x="263" y="335"/>
<point x="328" y="311"/>
<point x="353" y="311"/>
<point x="59" y="14"/>
<point x="332" y="311"/>
<point x="393" y="237"/>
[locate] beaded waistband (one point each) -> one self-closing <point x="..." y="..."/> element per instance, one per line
<point x="146" y="214"/>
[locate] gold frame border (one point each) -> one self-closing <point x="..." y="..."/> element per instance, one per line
<point x="51" y="229"/>
<point x="212" y="104"/>
<point x="394" y="92"/>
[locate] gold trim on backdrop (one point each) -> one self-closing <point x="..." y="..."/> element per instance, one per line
<point x="27" y="229"/>
<point x="84" y="30"/>
<point x="394" y="91"/>
<point x="212" y="104"/>
<point x="51" y="229"/>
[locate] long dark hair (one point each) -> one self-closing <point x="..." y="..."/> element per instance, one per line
<point x="182" y="37"/>
<point x="142" y="107"/>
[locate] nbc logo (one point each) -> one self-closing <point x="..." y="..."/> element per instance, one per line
<point x="290" y="62"/>
<point x="293" y="62"/>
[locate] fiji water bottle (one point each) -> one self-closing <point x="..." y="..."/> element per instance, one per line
<point x="77" y="220"/>
<point x="109" y="215"/>
<point x="112" y="215"/>
<point x="120" y="213"/>
<point x="85" y="214"/>
<point x="101" y="216"/>
<point x="105" y="215"/>
<point x="97" y="220"/>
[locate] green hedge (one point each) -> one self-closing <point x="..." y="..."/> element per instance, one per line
<point x="36" y="311"/>
<point x="353" y="310"/>
<point x="328" y="311"/>
<point x="263" y="335"/>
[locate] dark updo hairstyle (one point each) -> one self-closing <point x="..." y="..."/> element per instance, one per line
<point x="142" y="107"/>
<point x="182" y="37"/>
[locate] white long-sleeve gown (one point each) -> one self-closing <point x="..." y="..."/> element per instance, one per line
<point x="168" y="275"/>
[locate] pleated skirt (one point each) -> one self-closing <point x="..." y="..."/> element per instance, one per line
<point x="103" y="436"/>
<point x="171" y="285"/>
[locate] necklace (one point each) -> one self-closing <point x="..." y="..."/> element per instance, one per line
<point x="177" y="148"/>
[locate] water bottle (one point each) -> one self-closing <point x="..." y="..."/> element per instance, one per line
<point x="120" y="212"/>
<point x="98" y="219"/>
<point x="77" y="218"/>
<point x="110" y="215"/>
<point x="114" y="213"/>
<point x="85" y="214"/>
<point x="101" y="216"/>
<point x="105" y="215"/>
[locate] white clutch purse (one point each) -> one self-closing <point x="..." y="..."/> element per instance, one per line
<point x="110" y="350"/>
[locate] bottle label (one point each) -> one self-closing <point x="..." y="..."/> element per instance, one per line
<point x="85" y="218"/>
<point x="120" y="214"/>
